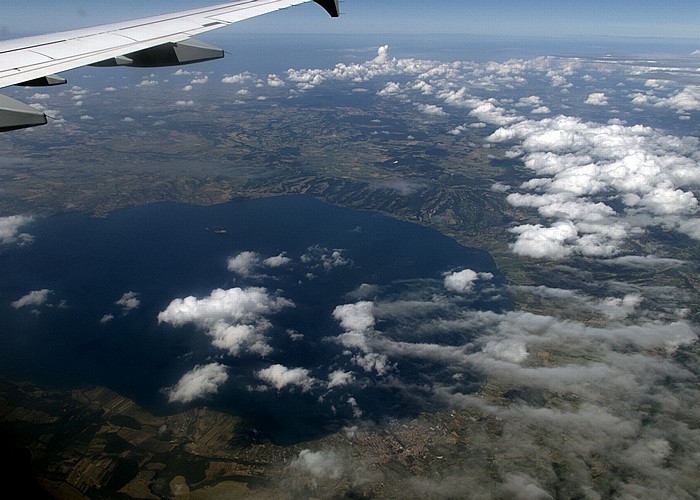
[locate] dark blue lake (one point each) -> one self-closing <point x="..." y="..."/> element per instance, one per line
<point x="166" y="251"/>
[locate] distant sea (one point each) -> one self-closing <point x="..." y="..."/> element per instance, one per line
<point x="165" y="251"/>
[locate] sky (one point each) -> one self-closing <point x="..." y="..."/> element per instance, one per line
<point x="536" y="18"/>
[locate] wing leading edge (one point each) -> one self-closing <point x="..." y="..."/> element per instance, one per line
<point x="164" y="40"/>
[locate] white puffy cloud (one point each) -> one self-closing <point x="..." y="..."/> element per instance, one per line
<point x="555" y="242"/>
<point x="200" y="81"/>
<point x="326" y="258"/>
<point x="280" y="260"/>
<point x="10" y="229"/>
<point x="532" y="101"/>
<point x="198" y="383"/>
<point x="147" y="83"/>
<point x="279" y="377"/>
<point x="463" y="281"/>
<point x="358" y="321"/>
<point x="34" y="298"/>
<point x="581" y="166"/>
<point x="232" y="304"/>
<point x="686" y="99"/>
<point x="275" y="81"/>
<point x="358" y="317"/>
<point x="129" y="301"/>
<point x="431" y="109"/>
<point x="244" y="263"/>
<point x="240" y="78"/>
<point x="597" y="99"/>
<point x="487" y="112"/>
<point x="247" y="263"/>
<point x="340" y="378"/>
<point x="390" y="89"/>
<point x="382" y="55"/>
<point x="235" y="319"/>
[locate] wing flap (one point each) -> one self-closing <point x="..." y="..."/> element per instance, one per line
<point x="14" y="60"/>
<point x="175" y="28"/>
<point x="98" y="43"/>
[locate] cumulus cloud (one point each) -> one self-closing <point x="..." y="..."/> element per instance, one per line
<point x="247" y="263"/>
<point x="463" y="281"/>
<point x="275" y="81"/>
<point x="240" y="78"/>
<point x="358" y="321"/>
<point x="555" y="242"/>
<point x="326" y="258"/>
<point x="581" y="166"/>
<point x="489" y="113"/>
<point x="280" y="260"/>
<point x="382" y="55"/>
<point x="541" y="110"/>
<point x="686" y="99"/>
<point x="431" y="109"/>
<point x="200" y="81"/>
<point x="279" y="377"/>
<point x="34" y="299"/>
<point x="597" y="99"/>
<point x="129" y="301"/>
<point x="147" y="83"/>
<point x="235" y="319"/>
<point x="358" y="317"/>
<point x="10" y="229"/>
<point x="200" y="382"/>
<point x="390" y="89"/>
<point x="340" y="378"/>
<point x="244" y="263"/>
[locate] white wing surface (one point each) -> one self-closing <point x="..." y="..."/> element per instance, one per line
<point x="164" y="40"/>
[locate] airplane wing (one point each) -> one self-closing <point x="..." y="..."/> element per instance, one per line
<point x="164" y="40"/>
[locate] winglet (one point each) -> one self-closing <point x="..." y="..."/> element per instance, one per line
<point x="331" y="6"/>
